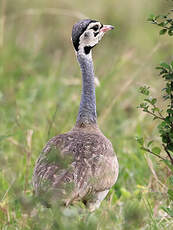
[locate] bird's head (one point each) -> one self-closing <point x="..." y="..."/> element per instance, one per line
<point x="87" y="33"/>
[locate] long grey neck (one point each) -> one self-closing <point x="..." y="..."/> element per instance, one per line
<point x="87" y="110"/>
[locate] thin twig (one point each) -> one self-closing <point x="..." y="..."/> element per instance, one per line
<point x="153" y="114"/>
<point x="159" y="112"/>
<point x="150" y="165"/>
<point x="169" y="155"/>
<point x="148" y="150"/>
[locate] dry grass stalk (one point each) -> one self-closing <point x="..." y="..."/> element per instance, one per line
<point x="28" y="156"/>
<point x="2" y="22"/>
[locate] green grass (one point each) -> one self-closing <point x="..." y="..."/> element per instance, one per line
<point x="40" y="87"/>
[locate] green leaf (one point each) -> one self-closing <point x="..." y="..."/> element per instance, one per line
<point x="163" y="31"/>
<point x="168" y="90"/>
<point x="155" y="109"/>
<point x="165" y="65"/>
<point x="168" y="211"/>
<point x="167" y="120"/>
<point x="165" y="97"/>
<point x="144" y="90"/>
<point x="143" y="106"/>
<point x="171" y="179"/>
<point x="151" y="17"/>
<point x="172" y="64"/>
<point x="170" y="32"/>
<point x="149" y="143"/>
<point x="168" y="76"/>
<point x="170" y="147"/>
<point x="140" y="140"/>
<point x="153" y="101"/>
<point x="162" y="24"/>
<point x="156" y="150"/>
<point x="170" y="111"/>
<point x="170" y="193"/>
<point x="164" y="71"/>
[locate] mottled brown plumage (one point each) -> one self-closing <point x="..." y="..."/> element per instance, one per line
<point x="80" y="164"/>
<point x="91" y="166"/>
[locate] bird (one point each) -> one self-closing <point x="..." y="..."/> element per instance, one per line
<point x="79" y="165"/>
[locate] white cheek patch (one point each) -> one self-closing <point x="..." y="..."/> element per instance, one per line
<point x="89" y="40"/>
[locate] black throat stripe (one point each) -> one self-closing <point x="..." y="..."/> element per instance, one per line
<point x="95" y="34"/>
<point x="87" y="49"/>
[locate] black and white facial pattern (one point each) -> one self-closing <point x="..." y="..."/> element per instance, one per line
<point x="86" y="34"/>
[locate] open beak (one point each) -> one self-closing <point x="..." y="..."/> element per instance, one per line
<point x="106" y="28"/>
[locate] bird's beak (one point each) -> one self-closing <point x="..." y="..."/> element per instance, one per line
<point x="106" y="28"/>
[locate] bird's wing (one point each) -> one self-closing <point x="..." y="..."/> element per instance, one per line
<point x="53" y="166"/>
<point x="80" y="162"/>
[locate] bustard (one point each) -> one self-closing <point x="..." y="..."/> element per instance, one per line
<point x="80" y="164"/>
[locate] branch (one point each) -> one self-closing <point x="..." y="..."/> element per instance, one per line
<point x="161" y="116"/>
<point x="153" y="114"/>
<point x="168" y="153"/>
<point x="148" y="150"/>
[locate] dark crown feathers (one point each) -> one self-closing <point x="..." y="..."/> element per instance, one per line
<point x="78" y="30"/>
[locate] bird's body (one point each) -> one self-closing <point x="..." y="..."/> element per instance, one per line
<point x="80" y="164"/>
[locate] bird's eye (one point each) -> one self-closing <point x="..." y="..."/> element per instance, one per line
<point x="95" y="28"/>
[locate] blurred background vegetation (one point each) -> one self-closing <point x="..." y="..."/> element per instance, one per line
<point x="40" y="86"/>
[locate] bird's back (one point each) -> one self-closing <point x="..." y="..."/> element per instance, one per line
<point x="75" y="165"/>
